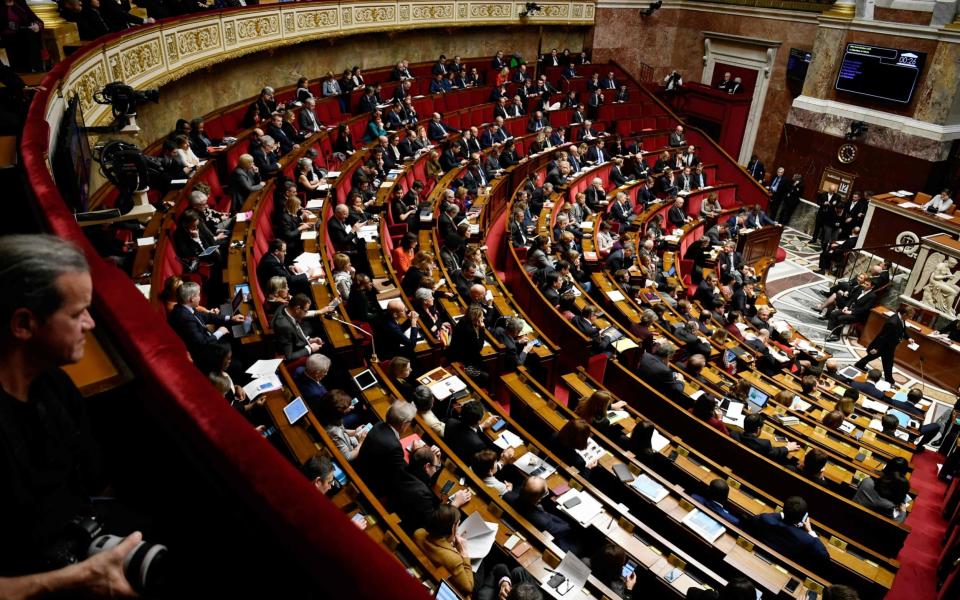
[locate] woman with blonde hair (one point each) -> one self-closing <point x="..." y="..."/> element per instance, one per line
<point x="277" y="296"/>
<point x="343" y="273"/>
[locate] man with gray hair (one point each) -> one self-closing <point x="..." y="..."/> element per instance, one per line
<point x="380" y="460"/>
<point x="309" y="377"/>
<point x="261" y="110"/>
<point x="266" y="157"/>
<point x="509" y="336"/>
<point x="244" y="180"/>
<point x="191" y="324"/>
<point x="215" y="220"/>
<point x="45" y="312"/>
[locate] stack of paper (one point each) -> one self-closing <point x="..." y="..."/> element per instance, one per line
<point x="308" y="235"/>
<point x="576" y="573"/>
<point x="703" y="525"/>
<point x="478" y="536"/>
<point x="308" y="260"/>
<point x="650" y="488"/>
<point x="873" y="405"/>
<point x="616" y="296"/>
<point x="584" y="511"/>
<point x="368" y="233"/>
<point x="264" y="367"/>
<point x="315" y="204"/>
<point x="658" y="442"/>
<point x="262" y="385"/>
<point x="508" y="439"/>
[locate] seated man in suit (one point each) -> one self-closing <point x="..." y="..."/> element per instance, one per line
<point x="345" y="239"/>
<point x="292" y="333"/>
<point x="463" y="432"/>
<point x="751" y="439"/>
<point x="715" y="499"/>
<point x="586" y="324"/>
<point x="272" y="264"/>
<point x="275" y="131"/>
<point x="437" y="130"/>
<point x="244" y="180"/>
<point x="790" y="534"/>
<point x="677" y="138"/>
<point x="309" y="379"/>
<point x="527" y="502"/>
<point x="654" y="370"/>
<point x="412" y="494"/>
<point x="869" y="386"/>
<point x="730" y="262"/>
<point x="380" y="461"/>
<point x="677" y="216"/>
<point x="191" y="324"/>
<point x="393" y="339"/>
<point x="855" y="311"/>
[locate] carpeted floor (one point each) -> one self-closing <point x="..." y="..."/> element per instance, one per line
<point x="916" y="579"/>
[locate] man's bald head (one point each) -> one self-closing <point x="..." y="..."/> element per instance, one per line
<point x="532" y="491"/>
<point x="477" y="291"/>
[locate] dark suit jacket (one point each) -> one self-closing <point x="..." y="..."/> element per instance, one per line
<point x="380" y="460"/>
<point x="652" y="370"/>
<point x="309" y="389"/>
<point x="436" y="133"/>
<point x="862" y="305"/>
<point x="676" y="216"/>
<point x="391" y="340"/>
<point x="287" y="339"/>
<point x="891" y="334"/>
<point x="556" y="526"/>
<point x="191" y="326"/>
<point x="463" y="441"/>
<point x="413" y="500"/>
<point x="466" y="344"/>
<point x="761" y="446"/>
<point x="791" y="541"/>
<point x="340" y="237"/>
<point x="270" y="266"/>
<point x="867" y="388"/>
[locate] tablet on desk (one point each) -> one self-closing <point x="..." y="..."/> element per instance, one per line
<point x="365" y="379"/>
<point x="295" y="410"/>
<point x="446" y="592"/>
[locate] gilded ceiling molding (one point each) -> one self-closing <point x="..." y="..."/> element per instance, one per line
<point x="154" y="55"/>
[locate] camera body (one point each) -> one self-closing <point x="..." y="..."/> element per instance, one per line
<point x="84" y="536"/>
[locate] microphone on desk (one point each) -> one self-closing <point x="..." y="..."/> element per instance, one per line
<point x="373" y="343"/>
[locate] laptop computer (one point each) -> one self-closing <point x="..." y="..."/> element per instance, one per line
<point x="756" y="399"/>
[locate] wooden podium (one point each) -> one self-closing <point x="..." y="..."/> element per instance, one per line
<point x="760" y="244"/>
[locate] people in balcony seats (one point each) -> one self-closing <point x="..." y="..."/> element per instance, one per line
<point x="90" y="23"/>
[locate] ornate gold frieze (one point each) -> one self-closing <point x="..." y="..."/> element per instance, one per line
<point x="155" y="55"/>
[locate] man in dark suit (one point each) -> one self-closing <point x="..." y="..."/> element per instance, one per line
<point x="265" y="156"/>
<point x="275" y="130"/>
<point x="884" y="345"/>
<point x="596" y="154"/>
<point x="730" y="262"/>
<point x="778" y="190"/>
<point x="527" y="502"/>
<point x="244" y="180"/>
<point x="828" y="200"/>
<point x="345" y="239"/>
<point x="751" y="439"/>
<point x="579" y="115"/>
<point x="869" y="387"/>
<point x="393" y="339"/>
<point x="437" y="130"/>
<point x="790" y="534"/>
<point x="654" y="370"/>
<point x="308" y="118"/>
<point x="755" y="168"/>
<point x="462" y="433"/>
<point x="708" y="291"/>
<point x="191" y="325"/>
<point x="498" y="61"/>
<point x="291" y="333"/>
<point x="272" y="265"/>
<point x="412" y="492"/>
<point x="447" y="223"/>
<point x="677" y="138"/>
<point x="309" y="379"/>
<point x="518" y="231"/>
<point x="855" y="311"/>
<point x="380" y="461"/>
<point x="587" y="132"/>
<point x="514" y="355"/>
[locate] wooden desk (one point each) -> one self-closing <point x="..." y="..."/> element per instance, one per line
<point x="936" y="359"/>
<point x="100" y="369"/>
<point x="887" y="221"/>
<point x="759" y="244"/>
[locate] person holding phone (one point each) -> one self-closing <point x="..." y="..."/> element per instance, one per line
<point x="611" y="566"/>
<point x="789" y="533"/>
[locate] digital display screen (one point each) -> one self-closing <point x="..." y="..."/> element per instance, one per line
<point x="880" y="73"/>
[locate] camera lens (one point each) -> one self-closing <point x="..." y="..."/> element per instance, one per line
<point x="144" y="566"/>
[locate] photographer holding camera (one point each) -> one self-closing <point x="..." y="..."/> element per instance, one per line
<point x="49" y="461"/>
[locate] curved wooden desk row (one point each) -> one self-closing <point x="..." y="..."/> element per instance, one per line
<point x="852" y="563"/>
<point x="566" y="334"/>
<point x="614" y="524"/>
<point x="542" y="414"/>
<point x="308" y="437"/>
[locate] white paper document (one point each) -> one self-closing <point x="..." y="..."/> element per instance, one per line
<point x="615" y="296"/>
<point x="479" y="536"/>
<point x="658" y="442"/>
<point x="703" y="525"/>
<point x="308" y="235"/>
<point x="508" y="439"/>
<point x="264" y="367"/>
<point x="650" y="488"/>
<point x="262" y="385"/>
<point x="583" y="511"/>
<point x="146" y="241"/>
<point x="314" y="203"/>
